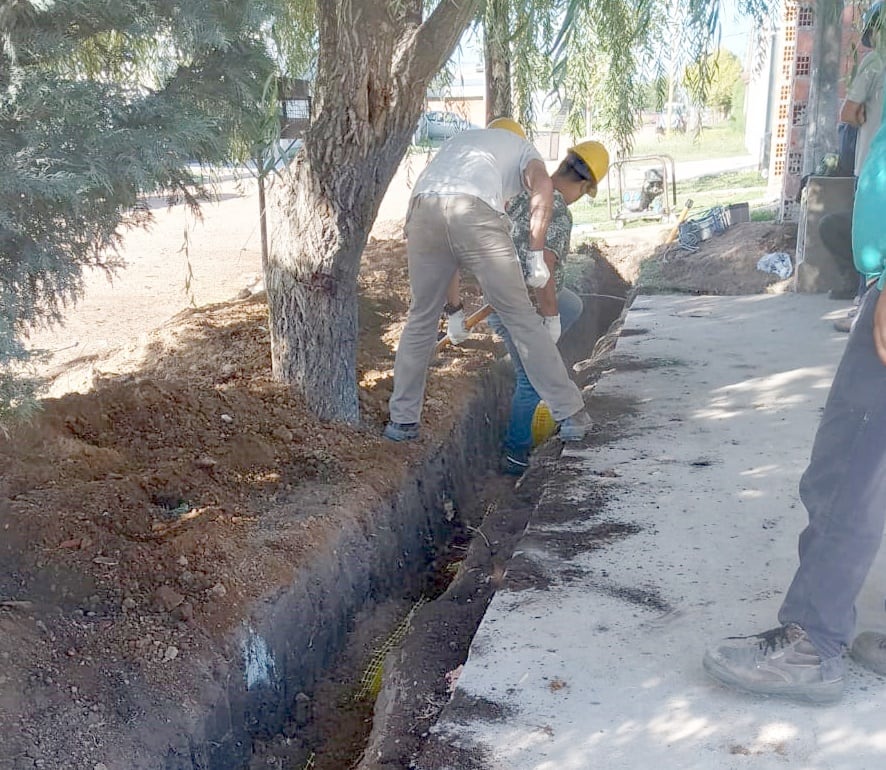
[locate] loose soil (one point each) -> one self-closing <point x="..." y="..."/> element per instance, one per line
<point x="141" y="518"/>
<point x="723" y="264"/>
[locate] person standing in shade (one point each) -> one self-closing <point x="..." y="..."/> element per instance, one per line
<point x="456" y="219"/>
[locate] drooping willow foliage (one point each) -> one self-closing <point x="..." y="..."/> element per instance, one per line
<point x="598" y="56"/>
<point x="105" y="101"/>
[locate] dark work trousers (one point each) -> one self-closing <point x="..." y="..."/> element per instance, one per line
<point x="844" y="492"/>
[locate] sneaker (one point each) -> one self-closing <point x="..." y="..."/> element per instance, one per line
<point x="514" y="463"/>
<point x="780" y="662"/>
<point x="869" y="649"/>
<point x="844" y="324"/>
<point x="574" y="427"/>
<point x="401" y="431"/>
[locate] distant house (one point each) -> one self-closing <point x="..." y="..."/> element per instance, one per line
<point x="466" y="97"/>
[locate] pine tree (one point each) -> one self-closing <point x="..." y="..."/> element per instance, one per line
<point x="103" y="102"/>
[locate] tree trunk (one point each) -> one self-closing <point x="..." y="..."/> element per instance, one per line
<point x="318" y="236"/>
<point x="498" y="60"/>
<point x="376" y="59"/>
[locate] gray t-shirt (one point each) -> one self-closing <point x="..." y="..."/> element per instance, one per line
<point x="487" y="163"/>
<point x="867" y="89"/>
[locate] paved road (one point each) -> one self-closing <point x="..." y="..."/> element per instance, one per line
<point x="166" y="272"/>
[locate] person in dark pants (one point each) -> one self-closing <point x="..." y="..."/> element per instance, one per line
<point x="844" y="492"/>
<point x="577" y="175"/>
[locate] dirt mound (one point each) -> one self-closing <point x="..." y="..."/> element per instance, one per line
<point x="140" y="519"/>
<point x="723" y="264"/>
<point x="599" y="273"/>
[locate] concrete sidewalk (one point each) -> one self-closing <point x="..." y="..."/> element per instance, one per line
<point x="676" y="527"/>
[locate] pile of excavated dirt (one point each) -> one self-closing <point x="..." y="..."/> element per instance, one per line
<point x="723" y="264"/>
<point x="141" y="519"/>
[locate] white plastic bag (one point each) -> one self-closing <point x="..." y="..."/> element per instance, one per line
<point x="778" y="262"/>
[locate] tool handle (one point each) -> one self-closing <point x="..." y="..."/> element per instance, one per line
<point x="472" y="320"/>
<point x="680" y="220"/>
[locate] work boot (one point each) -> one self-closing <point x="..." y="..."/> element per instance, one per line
<point x="869" y="649"/>
<point x="574" y="427"/>
<point x="401" y="431"/>
<point x="514" y="462"/>
<point x="780" y="662"/>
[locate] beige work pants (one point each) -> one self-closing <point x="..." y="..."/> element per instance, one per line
<point x="443" y="233"/>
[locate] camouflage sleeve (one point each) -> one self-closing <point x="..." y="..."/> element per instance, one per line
<point x="557" y="239"/>
<point x="559" y="230"/>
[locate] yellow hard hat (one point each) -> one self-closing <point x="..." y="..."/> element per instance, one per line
<point x="595" y="156"/>
<point x="508" y="124"/>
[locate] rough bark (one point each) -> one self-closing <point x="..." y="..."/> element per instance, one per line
<point x="498" y="60"/>
<point x="376" y="58"/>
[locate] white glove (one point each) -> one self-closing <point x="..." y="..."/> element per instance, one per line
<point x="552" y="324"/>
<point x="455" y="327"/>
<point x="539" y="274"/>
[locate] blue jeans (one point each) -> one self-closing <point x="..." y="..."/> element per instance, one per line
<point x="518" y="439"/>
<point x="844" y="492"/>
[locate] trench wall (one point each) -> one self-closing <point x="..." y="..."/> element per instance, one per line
<point x="294" y="637"/>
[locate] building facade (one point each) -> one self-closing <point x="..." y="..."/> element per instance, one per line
<point x="783" y="67"/>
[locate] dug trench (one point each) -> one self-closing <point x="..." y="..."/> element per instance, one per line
<point x="199" y="573"/>
<point x="374" y="707"/>
<point x="373" y="703"/>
